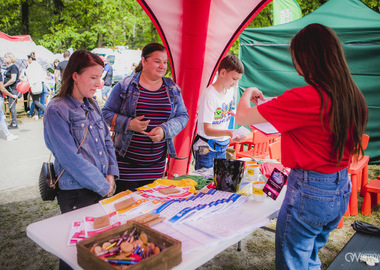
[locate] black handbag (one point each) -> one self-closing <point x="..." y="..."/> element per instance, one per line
<point x="48" y="181"/>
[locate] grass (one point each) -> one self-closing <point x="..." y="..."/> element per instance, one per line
<point x="17" y="251"/>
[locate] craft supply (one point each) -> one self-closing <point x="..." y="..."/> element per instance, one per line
<point x="154" y="221"/>
<point x="132" y="249"/>
<point x="111" y="246"/>
<point x="121" y="262"/>
<point x="124" y="204"/>
<point x="100" y="222"/>
<point x="167" y="191"/>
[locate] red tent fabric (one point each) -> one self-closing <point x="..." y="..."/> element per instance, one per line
<point x="20" y="46"/>
<point x="197" y="35"/>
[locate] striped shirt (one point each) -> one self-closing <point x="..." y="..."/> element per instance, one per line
<point x="145" y="159"/>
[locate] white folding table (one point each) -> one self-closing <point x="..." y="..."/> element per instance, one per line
<point x="52" y="234"/>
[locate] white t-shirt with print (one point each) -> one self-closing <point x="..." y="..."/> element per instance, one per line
<point x="215" y="108"/>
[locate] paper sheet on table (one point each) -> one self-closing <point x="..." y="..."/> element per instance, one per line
<point x="197" y="240"/>
<point x="236" y="224"/>
<point x="210" y="231"/>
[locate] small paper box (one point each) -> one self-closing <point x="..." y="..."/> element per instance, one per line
<point x="170" y="255"/>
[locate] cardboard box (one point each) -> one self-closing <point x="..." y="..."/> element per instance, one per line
<point x="170" y="255"/>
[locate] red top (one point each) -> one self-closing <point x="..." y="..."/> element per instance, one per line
<point x="304" y="143"/>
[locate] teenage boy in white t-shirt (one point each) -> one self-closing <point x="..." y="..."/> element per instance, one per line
<point x="213" y="136"/>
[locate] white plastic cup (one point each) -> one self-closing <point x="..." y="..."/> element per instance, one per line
<point x="257" y="191"/>
<point x="253" y="171"/>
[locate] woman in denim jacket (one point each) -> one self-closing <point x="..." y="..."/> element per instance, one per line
<point x="71" y="116"/>
<point x="148" y="111"/>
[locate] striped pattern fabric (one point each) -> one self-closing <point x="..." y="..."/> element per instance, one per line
<point x="145" y="160"/>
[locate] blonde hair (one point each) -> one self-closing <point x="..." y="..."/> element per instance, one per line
<point x="11" y="57"/>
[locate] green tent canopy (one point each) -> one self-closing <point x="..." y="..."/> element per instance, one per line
<point x="268" y="66"/>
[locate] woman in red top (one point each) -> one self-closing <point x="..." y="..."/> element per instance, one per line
<point x="321" y="127"/>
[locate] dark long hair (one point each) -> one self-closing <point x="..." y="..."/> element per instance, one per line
<point x="147" y="51"/>
<point x="317" y="51"/>
<point x="78" y="61"/>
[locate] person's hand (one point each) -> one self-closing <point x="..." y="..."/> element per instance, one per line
<point x="253" y="94"/>
<point x="112" y="189"/>
<point x="156" y="134"/>
<point x="15" y="96"/>
<point x="137" y="124"/>
<point x="239" y="138"/>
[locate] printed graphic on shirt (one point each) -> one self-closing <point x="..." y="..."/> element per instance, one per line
<point x="222" y="114"/>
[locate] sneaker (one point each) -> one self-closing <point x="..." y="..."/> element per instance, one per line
<point x="12" y="126"/>
<point x="12" y="137"/>
<point x="35" y="117"/>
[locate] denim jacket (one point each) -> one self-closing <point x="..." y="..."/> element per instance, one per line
<point x="65" y="123"/>
<point x="123" y="100"/>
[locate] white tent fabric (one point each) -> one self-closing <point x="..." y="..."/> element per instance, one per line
<point x="21" y="47"/>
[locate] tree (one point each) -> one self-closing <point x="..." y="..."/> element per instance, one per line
<point x="61" y="24"/>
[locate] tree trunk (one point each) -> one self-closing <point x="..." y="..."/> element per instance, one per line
<point x="25" y="17"/>
<point x="100" y="40"/>
<point x="153" y="32"/>
<point x="58" y="7"/>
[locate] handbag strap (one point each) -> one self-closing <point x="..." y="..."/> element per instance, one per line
<point x="51" y="175"/>
<point x="113" y="123"/>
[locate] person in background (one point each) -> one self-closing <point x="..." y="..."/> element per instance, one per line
<point x="56" y="81"/>
<point x="148" y="111"/>
<point x="133" y="67"/>
<point x="4" y="92"/>
<point x="43" y="103"/>
<point x="11" y="78"/>
<point x="321" y="127"/>
<point x="35" y="75"/>
<point x="61" y="67"/>
<point x="215" y="105"/>
<point x="72" y="119"/>
<point x="107" y="77"/>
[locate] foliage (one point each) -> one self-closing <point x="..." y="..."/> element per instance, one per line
<point x="61" y="24"/>
<point x="264" y="18"/>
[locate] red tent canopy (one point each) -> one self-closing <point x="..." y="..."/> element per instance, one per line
<point x="197" y="35"/>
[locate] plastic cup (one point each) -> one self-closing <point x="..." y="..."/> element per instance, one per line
<point x="253" y="171"/>
<point x="257" y="191"/>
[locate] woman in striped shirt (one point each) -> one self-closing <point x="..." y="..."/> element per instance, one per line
<point x="148" y="111"/>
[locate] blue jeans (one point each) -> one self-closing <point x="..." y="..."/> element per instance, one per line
<point x="12" y="105"/>
<point x="313" y="206"/>
<point x="42" y="101"/>
<point x="106" y="90"/>
<point x="207" y="160"/>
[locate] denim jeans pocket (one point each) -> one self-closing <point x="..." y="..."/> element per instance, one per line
<point x="316" y="210"/>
